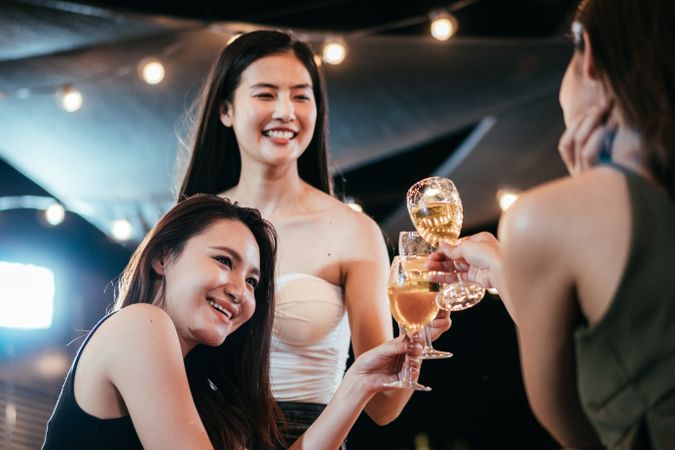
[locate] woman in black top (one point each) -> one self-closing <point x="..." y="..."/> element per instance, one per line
<point x="184" y="360"/>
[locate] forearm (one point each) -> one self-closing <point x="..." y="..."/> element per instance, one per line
<point x="384" y="407"/>
<point x="334" y="423"/>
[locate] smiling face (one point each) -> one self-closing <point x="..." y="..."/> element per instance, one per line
<point x="273" y="112"/>
<point x="209" y="287"/>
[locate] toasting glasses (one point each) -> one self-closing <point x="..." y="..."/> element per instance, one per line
<point x="414" y="252"/>
<point x="436" y="211"/>
<point x="413" y="303"/>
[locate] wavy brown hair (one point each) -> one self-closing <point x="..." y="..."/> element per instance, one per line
<point x="215" y="162"/>
<point x="229" y="383"/>
<point x="633" y="44"/>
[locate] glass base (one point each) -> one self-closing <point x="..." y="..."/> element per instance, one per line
<point x="432" y="353"/>
<point x="400" y="384"/>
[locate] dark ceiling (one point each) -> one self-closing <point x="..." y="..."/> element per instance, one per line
<point x="489" y="92"/>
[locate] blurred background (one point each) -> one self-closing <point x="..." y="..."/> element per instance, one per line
<point x="94" y="102"/>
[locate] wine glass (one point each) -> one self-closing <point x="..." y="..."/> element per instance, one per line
<point x="414" y="252"/>
<point x="413" y="303"/>
<point x="436" y="211"/>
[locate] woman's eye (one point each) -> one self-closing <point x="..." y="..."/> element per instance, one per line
<point x="264" y="95"/>
<point x="253" y="282"/>
<point x="225" y="260"/>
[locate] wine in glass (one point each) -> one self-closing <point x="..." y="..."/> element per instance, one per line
<point x="436" y="211"/>
<point x="413" y="302"/>
<point x="414" y="252"/>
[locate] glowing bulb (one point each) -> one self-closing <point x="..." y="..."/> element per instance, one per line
<point x="317" y="60"/>
<point x="334" y="51"/>
<point x="121" y="230"/>
<point x="55" y="214"/>
<point x="233" y="38"/>
<point x="355" y="206"/>
<point x="506" y="198"/>
<point x="443" y="26"/>
<point x="70" y="98"/>
<point x="152" y="70"/>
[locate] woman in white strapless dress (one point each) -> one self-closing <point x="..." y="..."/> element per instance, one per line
<point x="261" y="140"/>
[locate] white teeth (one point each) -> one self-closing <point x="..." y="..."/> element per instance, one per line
<point x="220" y="308"/>
<point x="279" y="134"/>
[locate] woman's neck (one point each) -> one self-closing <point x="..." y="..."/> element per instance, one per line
<point x="628" y="151"/>
<point x="269" y="189"/>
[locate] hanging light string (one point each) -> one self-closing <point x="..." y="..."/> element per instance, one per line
<point x="151" y="69"/>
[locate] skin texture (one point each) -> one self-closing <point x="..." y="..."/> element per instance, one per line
<point x="318" y="234"/>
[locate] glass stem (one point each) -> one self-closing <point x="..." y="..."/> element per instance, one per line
<point x="427" y="338"/>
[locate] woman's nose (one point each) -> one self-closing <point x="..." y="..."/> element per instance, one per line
<point x="284" y="109"/>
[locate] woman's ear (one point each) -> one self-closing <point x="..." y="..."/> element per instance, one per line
<point x="226" y="114"/>
<point x="588" y="61"/>
<point x="159" y="265"/>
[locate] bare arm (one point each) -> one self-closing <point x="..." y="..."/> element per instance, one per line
<point x="363" y="379"/>
<point x="365" y="290"/>
<point x="539" y="276"/>
<point x="145" y="364"/>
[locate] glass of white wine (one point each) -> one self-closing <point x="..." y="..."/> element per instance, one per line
<point x="435" y="209"/>
<point x="413" y="302"/>
<point x="415" y="251"/>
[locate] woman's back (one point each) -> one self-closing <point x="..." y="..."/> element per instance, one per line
<point x="626" y="359"/>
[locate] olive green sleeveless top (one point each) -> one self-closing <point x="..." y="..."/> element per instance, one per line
<point x="626" y="362"/>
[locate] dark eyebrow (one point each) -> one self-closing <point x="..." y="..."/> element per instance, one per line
<point x="274" y="86"/>
<point x="236" y="256"/>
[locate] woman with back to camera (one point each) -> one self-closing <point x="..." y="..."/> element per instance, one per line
<point x="587" y="264"/>
<point x="261" y="140"/>
<point x="181" y="363"/>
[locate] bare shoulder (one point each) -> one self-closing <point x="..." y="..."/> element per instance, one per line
<point x="140" y="327"/>
<point x="354" y="223"/>
<point x="571" y="203"/>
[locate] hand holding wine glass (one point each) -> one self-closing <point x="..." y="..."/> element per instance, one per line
<point x="436" y="211"/>
<point x="414" y="252"/>
<point x="413" y="303"/>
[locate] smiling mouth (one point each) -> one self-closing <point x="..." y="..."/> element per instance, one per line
<point x="220" y="309"/>
<point x="279" y="134"/>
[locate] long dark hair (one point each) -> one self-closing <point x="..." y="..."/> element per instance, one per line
<point x="633" y="44"/>
<point x="215" y="162"/>
<point x="229" y="383"/>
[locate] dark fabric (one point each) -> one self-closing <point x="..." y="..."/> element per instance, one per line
<point x="72" y="428"/>
<point x="298" y="417"/>
<point x="626" y="362"/>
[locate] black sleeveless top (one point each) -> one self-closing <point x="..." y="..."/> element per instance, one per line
<point x="626" y="362"/>
<point x="72" y="428"/>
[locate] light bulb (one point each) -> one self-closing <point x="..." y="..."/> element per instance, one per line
<point x="506" y="198"/>
<point x="121" y="230"/>
<point x="152" y="70"/>
<point x="443" y="26"/>
<point x="55" y="214"/>
<point x="334" y="51"/>
<point x="70" y="98"/>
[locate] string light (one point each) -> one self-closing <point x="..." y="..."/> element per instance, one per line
<point x="443" y="25"/>
<point x="151" y="70"/>
<point x="506" y="198"/>
<point x="353" y="204"/>
<point x="69" y="98"/>
<point x="334" y="51"/>
<point x="55" y="214"/>
<point x="318" y="61"/>
<point x="233" y="38"/>
<point x="121" y="230"/>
